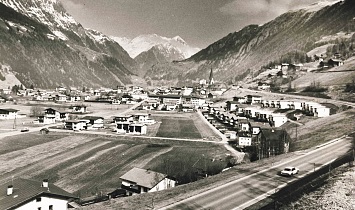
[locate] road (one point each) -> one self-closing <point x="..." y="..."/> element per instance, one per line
<point x="31" y="129"/>
<point x="247" y="190"/>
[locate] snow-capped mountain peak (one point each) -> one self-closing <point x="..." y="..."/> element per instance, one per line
<point x="49" y="12"/>
<point x="320" y="5"/>
<point x="145" y="42"/>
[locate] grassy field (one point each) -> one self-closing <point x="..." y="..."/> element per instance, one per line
<point x="90" y="164"/>
<point x="320" y="130"/>
<point x="178" y="128"/>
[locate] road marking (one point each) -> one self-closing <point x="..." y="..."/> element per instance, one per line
<point x="246" y="177"/>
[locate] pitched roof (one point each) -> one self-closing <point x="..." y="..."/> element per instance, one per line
<point x="10" y="110"/>
<point x="25" y="190"/>
<point x="143" y="177"/>
<point x="92" y="118"/>
<point x="275" y="134"/>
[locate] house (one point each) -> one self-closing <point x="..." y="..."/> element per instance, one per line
<point x="244" y="125"/>
<point x="320" y="111"/>
<point x="61" y="98"/>
<point x="253" y="99"/>
<point x="232" y="105"/>
<point x="122" y="126"/>
<point x="244" y="139"/>
<point x="74" y="98"/>
<point x="170" y="106"/>
<point x="187" y="107"/>
<point x="94" y="122"/>
<point x="7" y="114"/>
<point x="335" y="62"/>
<point x="239" y="99"/>
<point x="264" y="86"/>
<point x="58" y="116"/>
<point x="277" y="120"/>
<point x="29" y="194"/>
<point x="143" y="118"/>
<point x="6" y="91"/>
<point x="126" y="124"/>
<point x="137" y="181"/>
<point x="272" y="142"/>
<point x="79" y="109"/>
<point x="76" y="125"/>
<point x="137" y="128"/>
<point x="46" y="119"/>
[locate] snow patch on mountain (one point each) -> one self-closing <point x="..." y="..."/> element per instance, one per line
<point x="320" y="5"/>
<point x="49" y="12"/>
<point x="97" y="36"/>
<point x="60" y="35"/>
<point x="143" y="43"/>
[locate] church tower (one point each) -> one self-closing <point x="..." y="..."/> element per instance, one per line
<point x="211" y="80"/>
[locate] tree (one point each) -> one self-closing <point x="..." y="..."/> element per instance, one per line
<point x="36" y="111"/>
<point x="15" y="89"/>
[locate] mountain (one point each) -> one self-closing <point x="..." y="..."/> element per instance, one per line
<point x="44" y="46"/>
<point x="158" y="54"/>
<point x="144" y="43"/>
<point x="244" y="52"/>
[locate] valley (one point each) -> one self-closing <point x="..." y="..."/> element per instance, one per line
<point x="126" y="120"/>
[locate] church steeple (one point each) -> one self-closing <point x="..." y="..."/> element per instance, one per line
<point x="211" y="80"/>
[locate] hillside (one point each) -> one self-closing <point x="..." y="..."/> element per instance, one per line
<point x="45" y="47"/>
<point x="254" y="46"/>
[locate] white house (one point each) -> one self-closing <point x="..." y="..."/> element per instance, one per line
<point x="321" y="111"/>
<point x="61" y="98"/>
<point x="79" y="109"/>
<point x="94" y="122"/>
<point x="277" y="120"/>
<point x="144" y="118"/>
<point x="7" y="114"/>
<point x="58" y="115"/>
<point x="24" y="194"/>
<point x="244" y="139"/>
<point x="139" y="180"/>
<point x="76" y="125"/>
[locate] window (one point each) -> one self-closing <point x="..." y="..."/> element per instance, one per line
<point x="50" y="207"/>
<point x="38" y="199"/>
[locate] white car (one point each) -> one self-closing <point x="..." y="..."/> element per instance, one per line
<point x="289" y="171"/>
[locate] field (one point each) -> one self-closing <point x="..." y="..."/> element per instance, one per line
<point x="89" y="164"/>
<point x="178" y="128"/>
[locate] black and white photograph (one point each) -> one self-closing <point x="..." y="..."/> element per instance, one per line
<point x="177" y="104"/>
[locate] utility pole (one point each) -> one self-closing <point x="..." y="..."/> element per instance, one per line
<point x="296" y="131"/>
<point x="14" y="126"/>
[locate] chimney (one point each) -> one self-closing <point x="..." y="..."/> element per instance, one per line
<point x="45" y="183"/>
<point x="10" y="190"/>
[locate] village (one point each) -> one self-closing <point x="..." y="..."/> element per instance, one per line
<point x="245" y="123"/>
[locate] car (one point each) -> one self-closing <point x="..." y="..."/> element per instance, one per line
<point x="289" y="171"/>
<point x="24" y="129"/>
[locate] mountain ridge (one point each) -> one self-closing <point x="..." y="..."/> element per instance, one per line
<point x="252" y="47"/>
<point x="46" y="47"/>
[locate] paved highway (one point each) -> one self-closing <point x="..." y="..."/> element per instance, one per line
<point x="247" y="190"/>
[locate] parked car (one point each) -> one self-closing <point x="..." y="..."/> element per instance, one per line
<point x="289" y="171"/>
<point x="25" y="129"/>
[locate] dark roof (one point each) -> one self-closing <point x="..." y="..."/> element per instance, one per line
<point x="92" y="118"/>
<point x="9" y="110"/>
<point x="25" y="190"/>
<point x="143" y="177"/>
<point x="274" y="134"/>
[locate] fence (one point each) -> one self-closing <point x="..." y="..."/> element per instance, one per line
<point x="303" y="185"/>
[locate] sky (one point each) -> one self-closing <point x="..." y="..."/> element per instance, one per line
<point x="198" y="22"/>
